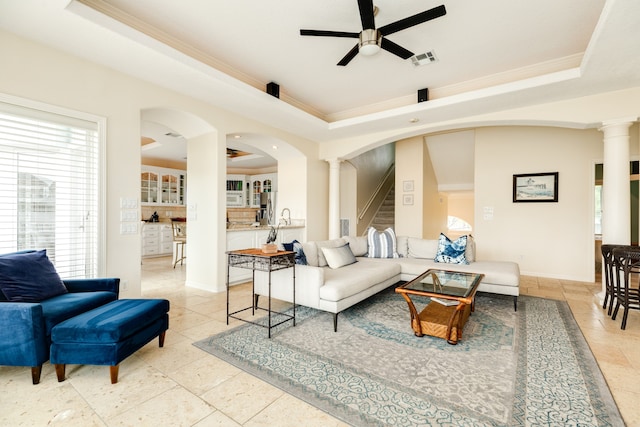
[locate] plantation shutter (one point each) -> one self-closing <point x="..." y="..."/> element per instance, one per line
<point x="49" y="187"/>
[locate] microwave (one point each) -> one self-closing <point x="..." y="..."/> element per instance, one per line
<point x="235" y="198"/>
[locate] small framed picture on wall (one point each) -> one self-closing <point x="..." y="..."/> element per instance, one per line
<point x="407" y="186"/>
<point x="407" y="199"/>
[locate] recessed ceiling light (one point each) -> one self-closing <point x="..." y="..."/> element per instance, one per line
<point x="414" y="120"/>
<point x="274" y="147"/>
<point x="237" y="136"/>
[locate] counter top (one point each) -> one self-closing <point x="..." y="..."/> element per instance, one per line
<point x="243" y="227"/>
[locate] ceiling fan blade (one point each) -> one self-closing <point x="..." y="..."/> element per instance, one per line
<point x="329" y="33"/>
<point x="366" y="14"/>
<point x="396" y="49"/>
<point x="349" y="56"/>
<point x="416" y="19"/>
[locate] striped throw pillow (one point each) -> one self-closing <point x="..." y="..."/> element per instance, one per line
<point x="382" y="244"/>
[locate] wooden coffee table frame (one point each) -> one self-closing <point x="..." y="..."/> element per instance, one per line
<point x="436" y="319"/>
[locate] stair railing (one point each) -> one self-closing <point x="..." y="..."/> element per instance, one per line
<point x="384" y="183"/>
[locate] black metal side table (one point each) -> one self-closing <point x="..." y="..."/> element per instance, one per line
<point x="254" y="259"/>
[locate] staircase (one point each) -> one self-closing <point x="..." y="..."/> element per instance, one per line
<point x="385" y="217"/>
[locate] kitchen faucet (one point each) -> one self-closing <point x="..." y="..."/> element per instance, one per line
<point x="286" y="221"/>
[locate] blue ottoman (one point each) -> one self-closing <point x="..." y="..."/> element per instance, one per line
<point x="108" y="334"/>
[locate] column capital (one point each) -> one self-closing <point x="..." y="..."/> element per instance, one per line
<point x="334" y="161"/>
<point x="621" y="124"/>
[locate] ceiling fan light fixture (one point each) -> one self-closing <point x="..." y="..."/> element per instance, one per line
<point x="370" y="41"/>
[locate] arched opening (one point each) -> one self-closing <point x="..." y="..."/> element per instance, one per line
<point x="167" y="138"/>
<point x="204" y="164"/>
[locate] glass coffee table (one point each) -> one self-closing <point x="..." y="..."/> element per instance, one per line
<point x="451" y="295"/>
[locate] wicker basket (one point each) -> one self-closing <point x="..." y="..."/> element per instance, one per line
<point x="435" y="317"/>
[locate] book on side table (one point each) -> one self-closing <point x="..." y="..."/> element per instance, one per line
<point x="446" y="302"/>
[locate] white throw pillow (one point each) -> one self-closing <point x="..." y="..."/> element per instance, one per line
<point x="333" y="243"/>
<point x="339" y="257"/>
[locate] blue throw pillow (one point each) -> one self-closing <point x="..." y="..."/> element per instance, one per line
<point x="296" y="247"/>
<point x="451" y="252"/>
<point x="29" y="277"/>
<point x="301" y="258"/>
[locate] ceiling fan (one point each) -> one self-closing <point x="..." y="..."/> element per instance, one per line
<point x="372" y="39"/>
<point x="233" y="153"/>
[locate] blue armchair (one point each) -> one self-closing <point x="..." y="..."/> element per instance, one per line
<point x="25" y="327"/>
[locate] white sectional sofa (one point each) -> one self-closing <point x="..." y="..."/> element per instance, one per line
<point x="335" y="289"/>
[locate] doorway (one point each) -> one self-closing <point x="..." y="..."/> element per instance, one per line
<point x="634" y="183"/>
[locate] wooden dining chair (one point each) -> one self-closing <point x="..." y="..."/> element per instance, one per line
<point x="627" y="260"/>
<point x="608" y="276"/>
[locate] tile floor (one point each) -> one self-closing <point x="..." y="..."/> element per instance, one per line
<point x="180" y="385"/>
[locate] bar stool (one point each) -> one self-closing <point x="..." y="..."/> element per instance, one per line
<point x="179" y="228"/>
<point x="626" y="262"/>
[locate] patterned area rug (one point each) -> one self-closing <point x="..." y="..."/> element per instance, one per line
<point x="526" y="368"/>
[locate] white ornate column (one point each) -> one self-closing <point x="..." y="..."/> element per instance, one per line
<point x="616" y="215"/>
<point x="334" y="198"/>
<point x="616" y="188"/>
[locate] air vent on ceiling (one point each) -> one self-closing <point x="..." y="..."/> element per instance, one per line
<point x="424" y="58"/>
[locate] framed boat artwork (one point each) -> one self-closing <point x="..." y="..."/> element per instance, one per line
<point x="535" y="187"/>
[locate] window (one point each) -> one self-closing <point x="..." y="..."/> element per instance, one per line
<point x="49" y="185"/>
<point x="598" y="215"/>
<point x="457" y="224"/>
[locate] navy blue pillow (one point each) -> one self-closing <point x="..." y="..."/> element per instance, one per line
<point x="29" y="277"/>
<point x="296" y="247"/>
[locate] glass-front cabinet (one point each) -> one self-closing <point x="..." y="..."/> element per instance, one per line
<point x="149" y="187"/>
<point x="162" y="186"/>
<point x="170" y="189"/>
<point x="264" y="183"/>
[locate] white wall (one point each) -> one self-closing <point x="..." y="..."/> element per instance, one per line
<point x="36" y="72"/>
<point x="409" y="167"/>
<point x="545" y="239"/>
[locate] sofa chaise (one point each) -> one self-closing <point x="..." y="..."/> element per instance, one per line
<point x="322" y="287"/>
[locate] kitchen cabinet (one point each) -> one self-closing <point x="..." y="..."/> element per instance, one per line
<point x="162" y="186"/>
<point x="157" y="239"/>
<point x="149" y="187"/>
<point x="255" y="238"/>
<point x="263" y="183"/>
<point x="236" y="191"/>
<point x="288" y="235"/>
<point x="240" y="240"/>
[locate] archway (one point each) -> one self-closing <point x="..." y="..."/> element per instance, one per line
<point x="203" y="172"/>
<point x="206" y="173"/>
